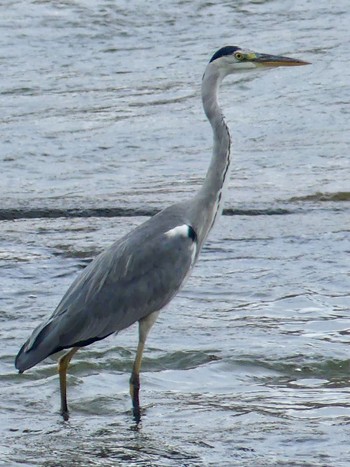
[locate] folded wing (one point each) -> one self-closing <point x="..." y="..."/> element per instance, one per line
<point x="136" y="276"/>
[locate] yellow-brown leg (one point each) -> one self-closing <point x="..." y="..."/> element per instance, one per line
<point x="63" y="364"/>
<point x="135" y="382"/>
<point x="145" y="325"/>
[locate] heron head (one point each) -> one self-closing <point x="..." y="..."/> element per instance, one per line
<point x="231" y="59"/>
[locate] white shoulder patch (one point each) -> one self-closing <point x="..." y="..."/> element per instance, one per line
<point x="185" y="231"/>
<point x="180" y="230"/>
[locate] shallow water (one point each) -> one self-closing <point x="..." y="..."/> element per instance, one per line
<point x="249" y="365"/>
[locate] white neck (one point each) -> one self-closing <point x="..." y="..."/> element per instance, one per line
<point x="209" y="199"/>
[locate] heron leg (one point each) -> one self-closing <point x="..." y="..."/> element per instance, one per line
<point x="63" y="364"/>
<point x="145" y="325"/>
<point x="135" y="382"/>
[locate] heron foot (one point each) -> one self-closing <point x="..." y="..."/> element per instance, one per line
<point x="136" y="413"/>
<point x="65" y="415"/>
<point x="134" y="393"/>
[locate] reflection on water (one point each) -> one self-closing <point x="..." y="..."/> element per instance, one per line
<point x="249" y="366"/>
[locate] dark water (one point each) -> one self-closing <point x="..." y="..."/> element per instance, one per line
<point x="101" y="126"/>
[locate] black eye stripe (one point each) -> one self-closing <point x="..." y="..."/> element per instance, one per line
<point x="228" y="50"/>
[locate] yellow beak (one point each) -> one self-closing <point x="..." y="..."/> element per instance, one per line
<point x="268" y="61"/>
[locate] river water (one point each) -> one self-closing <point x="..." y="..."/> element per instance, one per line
<point x="101" y="122"/>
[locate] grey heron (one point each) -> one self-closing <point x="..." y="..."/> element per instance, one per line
<point x="138" y="275"/>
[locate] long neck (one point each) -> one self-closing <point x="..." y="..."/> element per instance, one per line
<point x="209" y="199"/>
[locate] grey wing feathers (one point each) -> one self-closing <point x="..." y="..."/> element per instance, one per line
<point x="134" y="277"/>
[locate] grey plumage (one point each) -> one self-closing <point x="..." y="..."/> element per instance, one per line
<point x="140" y="273"/>
<point x="137" y="275"/>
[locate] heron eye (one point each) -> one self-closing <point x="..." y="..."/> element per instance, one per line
<point x="239" y="56"/>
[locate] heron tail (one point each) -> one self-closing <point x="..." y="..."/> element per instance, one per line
<point x="36" y="349"/>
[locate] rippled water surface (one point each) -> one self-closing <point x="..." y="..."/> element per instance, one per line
<point x="249" y="365"/>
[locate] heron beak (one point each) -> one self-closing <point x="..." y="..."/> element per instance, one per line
<point x="269" y="61"/>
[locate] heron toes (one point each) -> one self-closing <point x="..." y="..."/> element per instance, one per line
<point x="136" y="412"/>
<point x="65" y="415"/>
